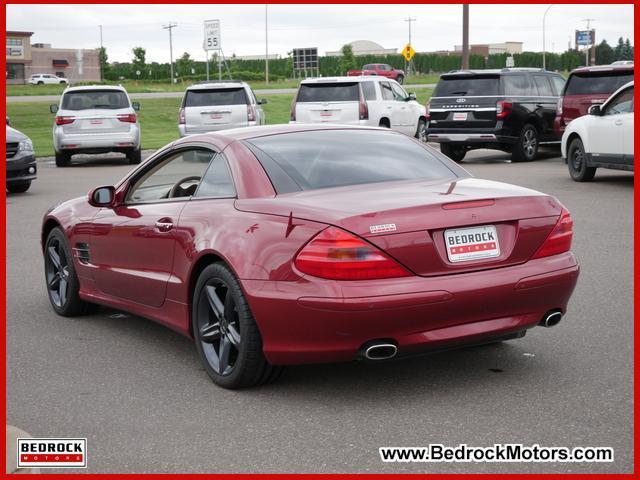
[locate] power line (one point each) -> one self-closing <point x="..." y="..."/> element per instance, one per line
<point x="170" y="27"/>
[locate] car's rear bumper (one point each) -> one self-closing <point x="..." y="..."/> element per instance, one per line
<point x="22" y="168"/>
<point x="184" y="130"/>
<point x="471" y="137"/>
<point x="87" y="142"/>
<point x="317" y="320"/>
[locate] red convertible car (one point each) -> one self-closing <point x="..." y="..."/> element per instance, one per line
<point x="295" y="244"/>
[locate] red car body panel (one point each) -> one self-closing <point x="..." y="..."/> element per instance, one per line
<point x="301" y="318"/>
<point x="375" y="69"/>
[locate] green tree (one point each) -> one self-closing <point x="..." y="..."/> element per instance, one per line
<point x="184" y="64"/>
<point x="347" y="60"/>
<point x="104" y="62"/>
<point x="619" y="50"/>
<point x="139" y="59"/>
<point x="604" y="53"/>
<point x="627" y="51"/>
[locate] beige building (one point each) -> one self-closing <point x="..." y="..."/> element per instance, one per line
<point x="25" y="59"/>
<point x="365" y="47"/>
<point x="491" y="48"/>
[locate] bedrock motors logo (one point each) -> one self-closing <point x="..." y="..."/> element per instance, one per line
<point x="52" y="453"/>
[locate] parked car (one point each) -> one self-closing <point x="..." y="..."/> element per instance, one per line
<point x="95" y="119"/>
<point x="286" y="244"/>
<point x="382" y="69"/>
<point x="46" y="79"/>
<point x="369" y="101"/>
<point x="512" y="110"/>
<point x="587" y="86"/>
<point x="213" y="106"/>
<point x="20" y="161"/>
<point x="603" y="138"/>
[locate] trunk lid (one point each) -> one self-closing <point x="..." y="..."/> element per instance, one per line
<point x="207" y="109"/>
<point x="408" y="220"/>
<point x="328" y="102"/>
<point x="96" y="120"/>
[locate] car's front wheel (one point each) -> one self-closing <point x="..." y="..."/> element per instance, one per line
<point x="577" y="162"/>
<point x="63" y="285"/>
<point x="454" y="153"/>
<point x="19" y="187"/>
<point x="227" y="338"/>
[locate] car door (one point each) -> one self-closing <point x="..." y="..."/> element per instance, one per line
<point x="407" y="122"/>
<point x="611" y="132"/>
<point x="547" y="104"/>
<point x="389" y="105"/>
<point x="132" y="244"/>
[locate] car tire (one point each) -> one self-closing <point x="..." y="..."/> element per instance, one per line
<point x="62" y="283"/>
<point x="19" y="187"/>
<point x="577" y="164"/>
<point x="421" y="131"/>
<point x="384" y="123"/>
<point x="63" y="159"/>
<point x="227" y="338"/>
<point x="526" y="149"/>
<point x="40" y="83"/>
<point x="134" y="156"/>
<point x="400" y="79"/>
<point x="62" y="82"/>
<point x="455" y="154"/>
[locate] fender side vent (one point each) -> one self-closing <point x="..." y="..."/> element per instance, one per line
<point x="81" y="252"/>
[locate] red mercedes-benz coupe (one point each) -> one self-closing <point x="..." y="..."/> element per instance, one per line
<point x="294" y="244"/>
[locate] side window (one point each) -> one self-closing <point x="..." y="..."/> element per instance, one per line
<point x="516" y="85"/>
<point x="543" y="84"/>
<point x="252" y="97"/>
<point x="558" y="83"/>
<point x="387" y="93"/>
<point x="398" y="92"/>
<point x="369" y="90"/>
<point x="176" y="176"/>
<point x="217" y="181"/>
<point x="623" y="103"/>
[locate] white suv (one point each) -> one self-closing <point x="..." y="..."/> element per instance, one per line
<point x="367" y="100"/>
<point x="95" y="119"/>
<point x="46" y="78"/>
<point x="603" y="138"/>
<point x="213" y="106"/>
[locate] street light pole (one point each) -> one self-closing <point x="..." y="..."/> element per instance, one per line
<point x="266" y="46"/>
<point x="101" y="55"/>
<point x="544" y="37"/>
<point x="408" y="64"/>
<point x="170" y="27"/>
<point x="465" y="36"/>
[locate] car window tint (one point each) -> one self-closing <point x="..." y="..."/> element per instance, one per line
<point x="334" y="158"/>
<point x="100" y="99"/>
<point x="543" y="84"/>
<point x="623" y="103"/>
<point x="475" y="85"/>
<point x="329" y="92"/>
<point x="398" y="92"/>
<point x="558" y="83"/>
<point x="369" y="90"/>
<point x="217" y="180"/>
<point x="387" y="93"/>
<point x="516" y="85"/>
<point x="597" y="83"/>
<point x="156" y="183"/>
<point x="215" y="96"/>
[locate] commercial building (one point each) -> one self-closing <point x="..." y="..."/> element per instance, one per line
<point x="365" y="47"/>
<point x="486" y="49"/>
<point x="25" y="59"/>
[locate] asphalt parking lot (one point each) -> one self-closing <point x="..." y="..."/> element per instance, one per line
<point x="137" y="391"/>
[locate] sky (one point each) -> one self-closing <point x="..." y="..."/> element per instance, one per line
<point x="328" y="27"/>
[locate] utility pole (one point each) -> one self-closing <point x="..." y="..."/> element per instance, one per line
<point x="408" y="64"/>
<point x="588" y="49"/>
<point x="266" y="46"/>
<point x="465" y="36"/>
<point x="101" y="54"/>
<point x="544" y="38"/>
<point x="170" y="27"/>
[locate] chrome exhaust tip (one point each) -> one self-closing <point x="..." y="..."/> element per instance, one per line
<point x="551" y="319"/>
<point x="380" y="351"/>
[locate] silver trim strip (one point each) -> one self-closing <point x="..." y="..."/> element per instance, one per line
<point x="463" y="109"/>
<point x="460" y="137"/>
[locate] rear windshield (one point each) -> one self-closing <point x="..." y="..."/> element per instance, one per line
<point x="336" y="158"/>
<point x="329" y="92"/>
<point x="215" y="96"/>
<point x="467" y="86"/>
<point x="86" y="99"/>
<point x="596" y="83"/>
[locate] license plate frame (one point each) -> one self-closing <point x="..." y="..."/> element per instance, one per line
<point x="460" y="116"/>
<point x="468" y="244"/>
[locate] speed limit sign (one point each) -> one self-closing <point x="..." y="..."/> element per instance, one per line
<point x="212" y="35"/>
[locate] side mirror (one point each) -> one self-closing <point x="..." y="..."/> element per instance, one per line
<point x="102" y="196"/>
<point x="412" y="96"/>
<point x="136" y="106"/>
<point x="595" y="110"/>
<point x="262" y="101"/>
<point x="53" y="108"/>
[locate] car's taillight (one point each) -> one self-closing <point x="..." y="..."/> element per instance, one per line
<point x="339" y="255"/>
<point x="292" y="117"/>
<point x="363" y="108"/>
<point x="559" y="108"/>
<point x="64" y="120"/>
<point x="128" y="117"/>
<point x="181" y="119"/>
<point x="251" y="114"/>
<point x="427" y="108"/>
<point x="559" y="240"/>
<point x="503" y="108"/>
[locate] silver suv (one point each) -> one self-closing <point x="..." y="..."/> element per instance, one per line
<point x="212" y="106"/>
<point x="95" y="119"/>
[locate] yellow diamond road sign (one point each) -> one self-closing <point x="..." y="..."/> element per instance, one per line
<point x="408" y="52"/>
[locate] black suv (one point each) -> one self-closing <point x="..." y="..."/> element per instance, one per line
<point x="512" y="109"/>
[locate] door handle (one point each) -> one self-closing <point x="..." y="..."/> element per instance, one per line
<point x="164" y="224"/>
<point x="618" y="122"/>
